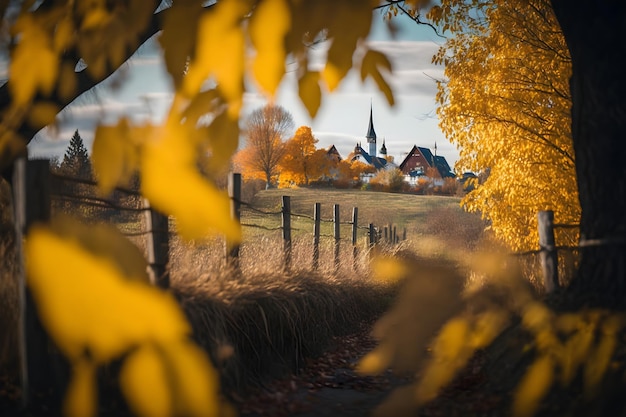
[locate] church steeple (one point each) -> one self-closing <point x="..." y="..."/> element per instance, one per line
<point x="371" y="135"/>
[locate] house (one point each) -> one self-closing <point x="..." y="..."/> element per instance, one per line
<point x="420" y="162"/>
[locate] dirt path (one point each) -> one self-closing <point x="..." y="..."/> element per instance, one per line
<point x="327" y="386"/>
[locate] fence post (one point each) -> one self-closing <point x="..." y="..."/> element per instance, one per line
<point x="337" y="233"/>
<point x="372" y="238"/>
<point x="31" y="199"/>
<point x="286" y="226"/>
<point x="385" y="236"/>
<point x="355" y="226"/>
<point x="158" y="246"/>
<point x="548" y="254"/>
<point x="404" y="233"/>
<point x="395" y="236"/>
<point x="317" y="215"/>
<point x="234" y="192"/>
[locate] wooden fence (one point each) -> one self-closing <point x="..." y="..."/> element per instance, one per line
<point x="387" y="234"/>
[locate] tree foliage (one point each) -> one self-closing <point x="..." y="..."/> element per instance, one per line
<point x="302" y="162"/>
<point x="265" y="131"/>
<point x="505" y="103"/>
<point x="76" y="159"/>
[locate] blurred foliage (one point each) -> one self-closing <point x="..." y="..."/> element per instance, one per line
<point x="456" y="320"/>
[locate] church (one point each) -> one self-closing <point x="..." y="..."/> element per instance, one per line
<point x="419" y="161"/>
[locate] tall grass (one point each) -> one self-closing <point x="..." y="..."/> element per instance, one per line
<point x="261" y="321"/>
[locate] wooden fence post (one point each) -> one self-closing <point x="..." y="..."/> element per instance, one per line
<point x="337" y="233"/>
<point x="31" y="199"/>
<point x="385" y="237"/>
<point x="548" y="254"/>
<point x="286" y="226"/>
<point x="158" y="246"/>
<point x="234" y="192"/>
<point x="395" y="236"/>
<point x="355" y="226"/>
<point x="317" y="216"/>
<point x="372" y="238"/>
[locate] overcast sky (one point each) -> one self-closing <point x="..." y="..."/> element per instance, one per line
<point x="342" y="120"/>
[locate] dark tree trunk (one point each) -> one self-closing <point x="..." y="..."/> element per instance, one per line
<point x="596" y="36"/>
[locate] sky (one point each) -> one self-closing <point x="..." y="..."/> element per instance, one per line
<point x="141" y="91"/>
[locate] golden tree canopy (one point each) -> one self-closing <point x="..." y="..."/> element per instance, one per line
<point x="505" y="103"/>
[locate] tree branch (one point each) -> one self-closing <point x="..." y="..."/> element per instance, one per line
<point x="417" y="18"/>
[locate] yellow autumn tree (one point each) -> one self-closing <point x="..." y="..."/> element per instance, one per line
<point x="212" y="50"/>
<point x="505" y="102"/>
<point x="302" y="162"/>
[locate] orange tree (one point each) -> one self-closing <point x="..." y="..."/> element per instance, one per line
<point x="302" y="162"/>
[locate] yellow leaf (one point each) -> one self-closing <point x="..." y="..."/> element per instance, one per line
<point x="81" y="395"/>
<point x="115" y="153"/>
<point x="96" y="18"/>
<point x="310" y="92"/>
<point x="487" y="326"/>
<point x="34" y="47"/>
<point x="178" y="37"/>
<point x="370" y="66"/>
<point x="388" y="269"/>
<point x="533" y="387"/>
<point x="196" y="381"/>
<point x="220" y="53"/>
<point x="268" y="27"/>
<point x="536" y="316"/>
<point x="452" y="339"/>
<point x="223" y="136"/>
<point x="73" y="289"/>
<point x="332" y="75"/>
<point x="106" y="241"/>
<point x="64" y="35"/>
<point x="173" y="185"/>
<point x="375" y="362"/>
<point x="599" y="359"/>
<point x="43" y="113"/>
<point x="145" y="384"/>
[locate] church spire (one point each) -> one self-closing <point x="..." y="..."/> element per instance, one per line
<point x="371" y="134"/>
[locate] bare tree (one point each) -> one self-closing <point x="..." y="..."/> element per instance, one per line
<point x="265" y="131"/>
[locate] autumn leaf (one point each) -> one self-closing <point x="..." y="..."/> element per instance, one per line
<point x="310" y="92"/>
<point x="372" y="62"/>
<point x="533" y="387"/>
<point x="35" y="45"/>
<point x="268" y="28"/>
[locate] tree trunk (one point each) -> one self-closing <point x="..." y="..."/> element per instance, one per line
<point x="596" y="36"/>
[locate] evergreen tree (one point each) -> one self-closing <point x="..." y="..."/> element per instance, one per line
<point x="76" y="160"/>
